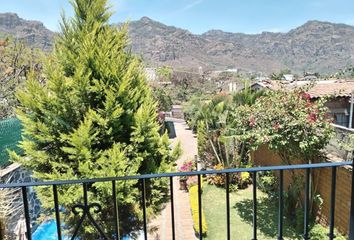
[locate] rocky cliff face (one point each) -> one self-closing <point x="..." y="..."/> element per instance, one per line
<point x="315" y="46"/>
<point x="33" y="32"/>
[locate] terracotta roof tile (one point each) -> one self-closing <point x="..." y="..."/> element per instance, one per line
<point x="336" y="88"/>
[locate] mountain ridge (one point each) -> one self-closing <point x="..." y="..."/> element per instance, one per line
<point x="34" y="32"/>
<point x="317" y="46"/>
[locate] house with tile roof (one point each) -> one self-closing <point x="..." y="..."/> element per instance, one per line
<point x="338" y="92"/>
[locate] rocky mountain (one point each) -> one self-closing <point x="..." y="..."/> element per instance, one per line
<point x="315" y="46"/>
<point x="33" y="32"/>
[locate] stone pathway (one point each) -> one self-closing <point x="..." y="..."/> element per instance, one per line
<point x="162" y="226"/>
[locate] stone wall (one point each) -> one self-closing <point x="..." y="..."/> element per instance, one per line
<point x="16" y="174"/>
<point x="264" y="157"/>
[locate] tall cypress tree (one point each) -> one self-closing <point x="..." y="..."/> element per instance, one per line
<point x="94" y="117"/>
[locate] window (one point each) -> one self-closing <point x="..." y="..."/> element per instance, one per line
<point x="341" y="119"/>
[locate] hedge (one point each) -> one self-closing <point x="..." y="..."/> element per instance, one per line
<point x="193" y="198"/>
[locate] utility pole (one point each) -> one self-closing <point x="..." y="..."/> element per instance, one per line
<point x="351" y="111"/>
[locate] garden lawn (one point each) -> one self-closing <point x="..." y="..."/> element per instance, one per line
<point x="214" y="205"/>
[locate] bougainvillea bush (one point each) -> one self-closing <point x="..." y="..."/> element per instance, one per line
<point x="291" y="124"/>
<point x="288" y="121"/>
<point x="187" y="166"/>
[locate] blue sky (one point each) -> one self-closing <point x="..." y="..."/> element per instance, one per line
<point x="198" y="16"/>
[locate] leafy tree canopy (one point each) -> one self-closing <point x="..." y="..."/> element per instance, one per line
<point x="16" y="61"/>
<point x="288" y="121"/>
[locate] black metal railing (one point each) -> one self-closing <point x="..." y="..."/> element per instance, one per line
<point x="85" y="208"/>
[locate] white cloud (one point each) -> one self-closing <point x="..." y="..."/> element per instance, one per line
<point x="191" y="5"/>
<point x="275" y="30"/>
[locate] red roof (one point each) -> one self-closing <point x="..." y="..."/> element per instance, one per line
<point x="321" y="88"/>
<point x="335" y="88"/>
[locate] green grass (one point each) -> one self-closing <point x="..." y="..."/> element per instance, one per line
<point x="214" y="205"/>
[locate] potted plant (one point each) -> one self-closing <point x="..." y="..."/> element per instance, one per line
<point x="187" y="166"/>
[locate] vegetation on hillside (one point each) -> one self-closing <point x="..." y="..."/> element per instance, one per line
<point x="17" y="61"/>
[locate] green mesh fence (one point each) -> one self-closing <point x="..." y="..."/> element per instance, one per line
<point x="10" y="135"/>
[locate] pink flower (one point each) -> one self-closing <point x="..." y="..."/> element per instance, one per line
<point x="251" y="121"/>
<point x="186" y="167"/>
<point x="276" y="126"/>
<point x="306" y="96"/>
<point x="312" y="117"/>
<point x="308" y="104"/>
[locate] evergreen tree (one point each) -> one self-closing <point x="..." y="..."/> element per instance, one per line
<point x="94" y="117"/>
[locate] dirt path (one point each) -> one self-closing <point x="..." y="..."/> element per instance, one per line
<point x="183" y="217"/>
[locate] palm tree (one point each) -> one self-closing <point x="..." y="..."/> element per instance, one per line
<point x="247" y="96"/>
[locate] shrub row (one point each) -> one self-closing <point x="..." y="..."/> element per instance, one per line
<point x="193" y="198"/>
<point x="318" y="232"/>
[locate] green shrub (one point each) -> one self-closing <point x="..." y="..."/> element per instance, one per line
<point x="217" y="179"/>
<point x="193" y="198"/>
<point x="318" y="232"/>
<point x="236" y="180"/>
<point x="243" y="180"/>
<point x="267" y="183"/>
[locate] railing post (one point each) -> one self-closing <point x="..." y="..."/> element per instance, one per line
<point x="333" y="203"/>
<point x="27" y="214"/>
<point x="254" y="182"/>
<point x="228" y="233"/>
<point x="115" y="206"/>
<point x="306" y="205"/>
<point x="200" y="210"/>
<point x="281" y="205"/>
<point x="143" y="189"/>
<point x="172" y="210"/>
<point x="57" y="212"/>
<point x="351" y="226"/>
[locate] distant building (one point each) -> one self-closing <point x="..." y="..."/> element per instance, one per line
<point x="233" y="70"/>
<point x="288" y="77"/>
<point x="232" y="87"/>
<point x="339" y="104"/>
<point x="151" y="74"/>
<point x="200" y="70"/>
<point x="262" y="78"/>
<point x="230" y="70"/>
<point x="309" y="76"/>
<point x="339" y="91"/>
<point x="259" y="86"/>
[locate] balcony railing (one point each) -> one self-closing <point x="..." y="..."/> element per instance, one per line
<point x="86" y="206"/>
<point x="341" y="137"/>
